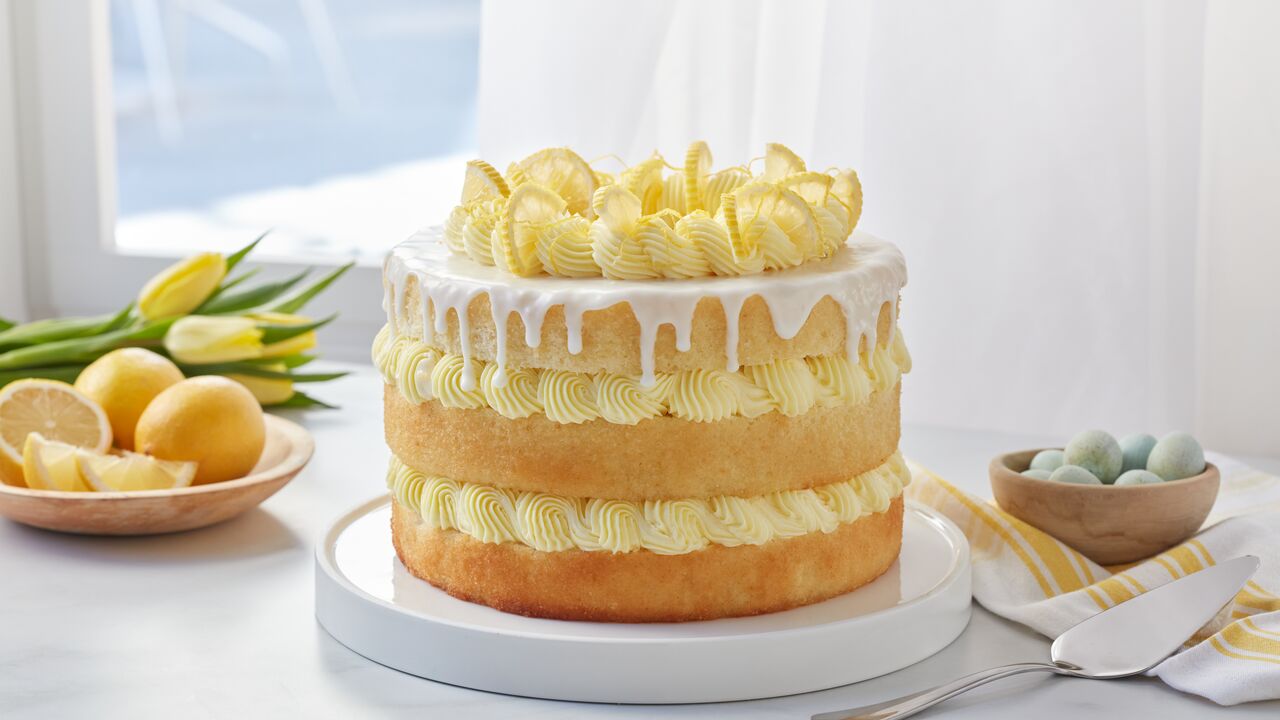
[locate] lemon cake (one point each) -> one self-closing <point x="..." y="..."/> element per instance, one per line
<point x="665" y="394"/>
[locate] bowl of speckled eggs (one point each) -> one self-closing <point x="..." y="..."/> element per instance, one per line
<point x="1116" y="501"/>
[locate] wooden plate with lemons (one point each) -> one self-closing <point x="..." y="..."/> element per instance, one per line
<point x="140" y="452"/>
<point x="148" y="512"/>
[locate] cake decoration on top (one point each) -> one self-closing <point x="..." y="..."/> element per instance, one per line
<point x="553" y="214"/>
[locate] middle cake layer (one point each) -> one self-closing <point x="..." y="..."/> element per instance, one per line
<point x="662" y="458"/>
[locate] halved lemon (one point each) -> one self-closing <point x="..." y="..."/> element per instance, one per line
<point x="697" y="163"/>
<point x="780" y="161"/>
<point x="783" y="207"/>
<point x="482" y="181"/>
<point x="134" y="471"/>
<point x="51" y="465"/>
<point x="617" y="207"/>
<point x="54" y="409"/>
<point x="531" y="209"/>
<point x="562" y="171"/>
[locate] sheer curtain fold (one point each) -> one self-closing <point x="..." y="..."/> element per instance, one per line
<point x="1050" y="169"/>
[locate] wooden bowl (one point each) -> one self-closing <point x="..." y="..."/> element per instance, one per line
<point x="1108" y="524"/>
<point x="151" y="512"/>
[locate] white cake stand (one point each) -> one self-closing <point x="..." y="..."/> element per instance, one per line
<point x="368" y="601"/>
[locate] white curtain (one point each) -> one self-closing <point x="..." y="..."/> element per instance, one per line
<point x="1085" y="191"/>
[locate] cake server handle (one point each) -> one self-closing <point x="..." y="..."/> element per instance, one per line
<point x="912" y="704"/>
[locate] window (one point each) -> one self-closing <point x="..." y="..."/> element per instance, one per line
<point x="343" y="125"/>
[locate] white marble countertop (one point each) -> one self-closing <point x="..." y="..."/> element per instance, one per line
<point x="219" y="622"/>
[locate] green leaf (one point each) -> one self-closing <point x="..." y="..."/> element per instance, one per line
<point x="243" y="300"/>
<point x="43" y="331"/>
<point x="234" y="258"/>
<point x="298" y="300"/>
<point x="232" y="283"/>
<point x="65" y="373"/>
<point x="301" y="400"/>
<point x="252" y="369"/>
<point x="6" y="324"/>
<point x="273" y="333"/>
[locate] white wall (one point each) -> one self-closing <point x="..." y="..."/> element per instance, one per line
<point x="13" y="300"/>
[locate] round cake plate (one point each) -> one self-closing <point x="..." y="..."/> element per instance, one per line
<point x="369" y="602"/>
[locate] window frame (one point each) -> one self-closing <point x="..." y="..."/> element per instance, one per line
<point x="65" y="184"/>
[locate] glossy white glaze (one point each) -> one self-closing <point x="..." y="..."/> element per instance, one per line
<point x="861" y="277"/>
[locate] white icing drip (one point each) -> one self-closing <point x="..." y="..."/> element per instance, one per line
<point x="860" y="278"/>
<point x="732" y="305"/>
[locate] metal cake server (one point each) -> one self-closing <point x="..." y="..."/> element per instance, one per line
<point x="1127" y="639"/>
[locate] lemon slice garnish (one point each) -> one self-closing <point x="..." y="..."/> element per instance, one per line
<point x="848" y="190"/>
<point x="51" y="465"/>
<point x="482" y="182"/>
<point x="617" y="207"/>
<point x="697" y="163"/>
<point x="530" y="210"/>
<point x="54" y="409"/>
<point x="814" y="187"/>
<point x="785" y="208"/>
<point x="780" y="161"/>
<point x="562" y="171"/>
<point x="134" y="471"/>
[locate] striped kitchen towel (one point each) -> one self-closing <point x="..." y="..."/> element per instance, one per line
<point x="1025" y="575"/>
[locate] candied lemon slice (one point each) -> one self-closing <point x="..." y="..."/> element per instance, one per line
<point x="617" y="207"/>
<point x="134" y="471"/>
<point x="697" y="163"/>
<point x="562" y="171"/>
<point x="814" y="187"/>
<point x="482" y="182"/>
<point x="785" y="208"/>
<point x="848" y="190"/>
<point x="531" y="209"/>
<point x="54" y="409"/>
<point x="780" y="161"/>
<point x="51" y="465"/>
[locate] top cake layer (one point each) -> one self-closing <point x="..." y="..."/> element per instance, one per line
<point x="553" y="214"/>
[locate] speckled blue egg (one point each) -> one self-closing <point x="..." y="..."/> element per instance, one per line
<point x="1037" y="473"/>
<point x="1074" y="474"/>
<point x="1176" y="456"/>
<point x="1138" y="477"/>
<point x="1097" y="452"/>
<point x="1048" y="460"/>
<point x="1136" y="448"/>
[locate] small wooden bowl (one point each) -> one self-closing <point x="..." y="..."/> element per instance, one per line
<point x="1108" y="524"/>
<point x="151" y="512"/>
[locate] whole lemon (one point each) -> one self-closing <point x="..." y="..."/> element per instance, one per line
<point x="211" y="420"/>
<point x="124" y="382"/>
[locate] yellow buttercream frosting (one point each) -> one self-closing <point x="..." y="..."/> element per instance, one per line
<point x="645" y="224"/>
<point x="791" y="386"/>
<point x="551" y="523"/>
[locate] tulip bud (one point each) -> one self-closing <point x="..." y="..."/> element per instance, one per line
<point x="292" y="346"/>
<point x="200" y="339"/>
<point x="182" y="287"/>
<point x="268" y="391"/>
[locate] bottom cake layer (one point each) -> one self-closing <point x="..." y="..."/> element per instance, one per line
<point x="643" y="586"/>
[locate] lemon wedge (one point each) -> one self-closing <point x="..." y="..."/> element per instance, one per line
<point x="785" y="208"/>
<point x="697" y="163"/>
<point x="55" y="410"/>
<point x="531" y="209"/>
<point x="848" y="190"/>
<point x="482" y="181"/>
<point x="51" y="465"/>
<point x="134" y="471"/>
<point x="562" y="171"/>
<point x="780" y="161"/>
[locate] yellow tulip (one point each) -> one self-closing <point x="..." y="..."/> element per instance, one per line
<point x="268" y="391"/>
<point x="292" y="346"/>
<point x="182" y="287"/>
<point x="199" y="339"/>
